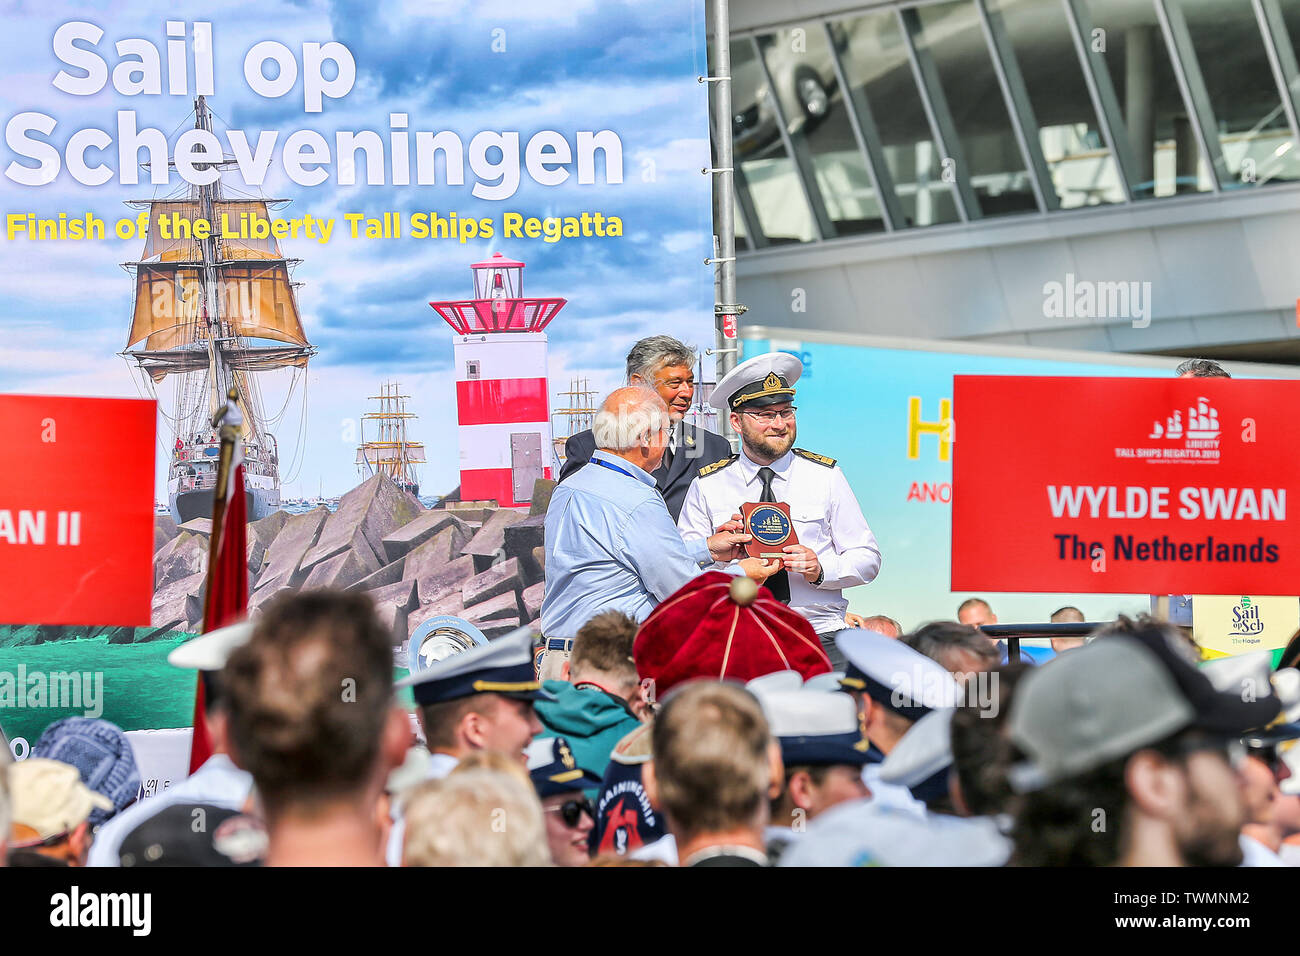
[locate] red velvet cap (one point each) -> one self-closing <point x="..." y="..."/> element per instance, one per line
<point x="723" y="627"/>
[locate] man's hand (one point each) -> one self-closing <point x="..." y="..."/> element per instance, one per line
<point x="727" y="545"/>
<point x="736" y="523"/>
<point x="758" y="569"/>
<point x="802" y="560"/>
<point x="854" y="620"/>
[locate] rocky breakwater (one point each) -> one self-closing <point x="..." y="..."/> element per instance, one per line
<point x="471" y="559"/>
<point x="468" y="558"/>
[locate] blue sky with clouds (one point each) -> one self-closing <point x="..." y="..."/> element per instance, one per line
<point x="568" y="65"/>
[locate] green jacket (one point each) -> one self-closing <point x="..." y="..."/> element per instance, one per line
<point x="592" y="721"/>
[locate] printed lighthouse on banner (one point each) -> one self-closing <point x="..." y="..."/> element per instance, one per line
<point x="502" y="398"/>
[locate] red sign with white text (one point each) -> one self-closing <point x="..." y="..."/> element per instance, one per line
<point x="1143" y="486"/>
<point x="76" y="510"/>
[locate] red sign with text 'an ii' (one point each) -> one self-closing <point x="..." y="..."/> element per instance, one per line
<point x="76" y="510"/>
<point x="1144" y="486"/>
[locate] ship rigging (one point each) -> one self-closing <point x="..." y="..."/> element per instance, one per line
<point x="390" y="452"/>
<point x="214" y="313"/>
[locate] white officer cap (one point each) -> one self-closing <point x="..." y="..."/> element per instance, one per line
<point x="210" y="651"/>
<point x="815" y="727"/>
<point x="923" y="754"/>
<point x="895" y="676"/>
<point x="503" y="666"/>
<point x="764" y="379"/>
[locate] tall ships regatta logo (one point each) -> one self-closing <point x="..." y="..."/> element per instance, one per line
<point x="1192" y="438"/>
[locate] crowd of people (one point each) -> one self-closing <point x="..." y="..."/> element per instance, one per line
<point x="704" y="698"/>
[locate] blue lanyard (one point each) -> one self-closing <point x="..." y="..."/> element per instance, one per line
<point x="621" y="471"/>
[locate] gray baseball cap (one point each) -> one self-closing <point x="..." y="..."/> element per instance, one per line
<point x="1111" y="698"/>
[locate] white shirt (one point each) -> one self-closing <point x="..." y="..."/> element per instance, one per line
<point x="826" y="519"/>
<point x="1254" y="853"/>
<point x="440" y="765"/>
<point x="871" y="833"/>
<point x="893" y="795"/>
<point x="218" y="782"/>
<point x="665" y="849"/>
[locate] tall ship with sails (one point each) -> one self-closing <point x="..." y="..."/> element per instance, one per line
<point x="390" y="451"/>
<point x="214" y="314"/>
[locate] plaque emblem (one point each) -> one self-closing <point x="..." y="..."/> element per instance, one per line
<point x="770" y="526"/>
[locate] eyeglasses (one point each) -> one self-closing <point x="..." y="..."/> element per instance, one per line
<point x="676" y="383"/>
<point x="572" y="810"/>
<point x="768" y="418"/>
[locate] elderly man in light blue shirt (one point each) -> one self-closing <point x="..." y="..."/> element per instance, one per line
<point x="610" y="542"/>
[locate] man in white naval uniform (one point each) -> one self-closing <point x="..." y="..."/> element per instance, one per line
<point x="836" y="548"/>
<point x="480" y="699"/>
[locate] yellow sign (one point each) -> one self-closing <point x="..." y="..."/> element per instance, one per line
<point x="942" y="429"/>
<point x="1225" y="625"/>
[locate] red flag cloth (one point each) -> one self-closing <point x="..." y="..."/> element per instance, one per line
<point x="724" y="628"/>
<point x="227" y="596"/>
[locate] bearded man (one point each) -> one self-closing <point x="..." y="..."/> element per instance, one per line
<point x="836" y="548"/>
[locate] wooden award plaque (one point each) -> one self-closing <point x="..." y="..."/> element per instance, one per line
<point x="770" y="528"/>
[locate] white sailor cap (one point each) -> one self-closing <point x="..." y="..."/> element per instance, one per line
<point x="1251" y="676"/>
<point x="210" y="651"/>
<point x="503" y="666"/>
<point x="793" y="680"/>
<point x="1246" y="675"/>
<point x="922" y="757"/>
<point x="893" y="675"/>
<point x="815" y="727"/>
<point x="828" y="681"/>
<point x="762" y="380"/>
<point x="775" y="681"/>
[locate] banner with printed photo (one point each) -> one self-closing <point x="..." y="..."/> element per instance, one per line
<point x="418" y="241"/>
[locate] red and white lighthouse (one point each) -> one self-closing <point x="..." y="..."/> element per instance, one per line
<point x="502" y="399"/>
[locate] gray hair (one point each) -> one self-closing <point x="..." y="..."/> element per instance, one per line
<point x="1201" y="368"/>
<point x="651" y="354"/>
<point x="628" y="417"/>
<point x="939" y="639"/>
<point x="882" y="619"/>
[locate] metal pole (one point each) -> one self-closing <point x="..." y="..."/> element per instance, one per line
<point x="726" y="310"/>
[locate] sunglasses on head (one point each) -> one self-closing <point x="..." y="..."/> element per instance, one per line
<point x="571" y="811"/>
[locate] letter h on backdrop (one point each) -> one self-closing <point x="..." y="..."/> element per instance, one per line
<point x="940" y="429"/>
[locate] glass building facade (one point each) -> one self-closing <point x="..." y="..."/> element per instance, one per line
<point x="914" y="115"/>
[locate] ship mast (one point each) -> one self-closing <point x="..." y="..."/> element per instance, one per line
<point x="392" y="453"/>
<point x="202" y="308"/>
<point x="207" y="195"/>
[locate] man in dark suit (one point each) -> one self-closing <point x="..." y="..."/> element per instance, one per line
<point x="663" y="363"/>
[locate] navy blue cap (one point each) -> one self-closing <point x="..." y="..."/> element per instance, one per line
<point x="555" y="770"/>
<point x="503" y="666"/>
